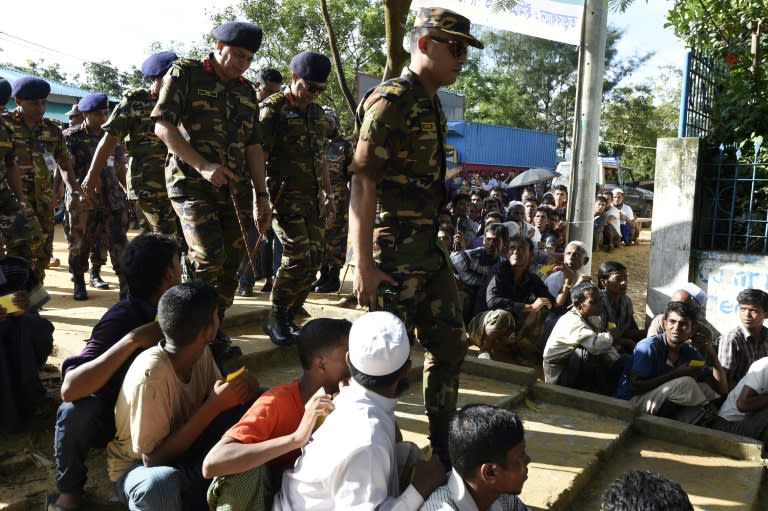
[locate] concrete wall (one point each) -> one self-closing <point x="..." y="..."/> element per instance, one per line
<point x="677" y="161"/>
<point x="722" y="275"/>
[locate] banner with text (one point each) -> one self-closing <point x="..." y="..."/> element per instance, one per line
<point x="556" y="20"/>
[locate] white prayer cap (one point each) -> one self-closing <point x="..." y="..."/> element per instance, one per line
<point x="697" y="294"/>
<point x="378" y="344"/>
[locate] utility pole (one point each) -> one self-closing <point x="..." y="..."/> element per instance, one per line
<point x="586" y="124"/>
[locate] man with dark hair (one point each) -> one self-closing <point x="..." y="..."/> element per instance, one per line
<point x="541" y="224"/>
<point x="531" y="204"/>
<point x="748" y="342"/>
<point x="560" y="193"/>
<point x="668" y="376"/>
<point x="518" y="294"/>
<point x="490" y="464"/>
<point x="173" y="406"/>
<point x="617" y="306"/>
<point x="399" y="170"/>
<point x="599" y="221"/>
<point x="249" y="460"/>
<point x="353" y="460"/>
<point x="94" y="227"/>
<point x="464" y="224"/>
<point x="474" y="267"/>
<point x="578" y="353"/>
<point x="296" y="132"/>
<point x="642" y="490"/>
<point x="269" y="82"/>
<point x="92" y="379"/>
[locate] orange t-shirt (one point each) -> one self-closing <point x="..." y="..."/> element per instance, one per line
<point x="276" y="413"/>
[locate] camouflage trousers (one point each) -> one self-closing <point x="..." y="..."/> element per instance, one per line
<point x="428" y="304"/>
<point x="20" y="228"/>
<point x="94" y="231"/>
<point x="157" y="210"/>
<point x="212" y="233"/>
<point x="43" y="208"/>
<point x="301" y="231"/>
<point x="335" y="254"/>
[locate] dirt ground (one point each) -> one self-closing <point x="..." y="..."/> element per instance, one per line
<point x="27" y="470"/>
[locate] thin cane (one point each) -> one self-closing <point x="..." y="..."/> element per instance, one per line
<point x="260" y="239"/>
<point x="242" y="227"/>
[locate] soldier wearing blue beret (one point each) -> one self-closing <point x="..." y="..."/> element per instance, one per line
<point x="39" y="147"/>
<point x="95" y="224"/>
<point x="239" y="34"/>
<point x="296" y="132"/>
<point x="158" y="64"/>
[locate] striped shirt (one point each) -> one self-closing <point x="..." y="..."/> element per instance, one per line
<point x="738" y="349"/>
<point x="454" y="496"/>
<point x="474" y="267"/>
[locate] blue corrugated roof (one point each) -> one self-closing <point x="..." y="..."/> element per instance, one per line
<point x="490" y="144"/>
<point x="58" y="88"/>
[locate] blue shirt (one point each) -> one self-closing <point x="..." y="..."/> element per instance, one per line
<point x="124" y="316"/>
<point x="650" y="359"/>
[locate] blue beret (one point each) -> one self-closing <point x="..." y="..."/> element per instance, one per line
<point x="30" y="87"/>
<point x="5" y="91"/>
<point x="93" y="101"/>
<point x="311" y="66"/>
<point x="240" y="34"/>
<point x="158" y="64"/>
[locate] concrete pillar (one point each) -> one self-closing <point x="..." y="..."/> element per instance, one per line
<point x="677" y="162"/>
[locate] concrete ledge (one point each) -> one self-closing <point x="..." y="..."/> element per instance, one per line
<point x="714" y="441"/>
<point x="586" y="401"/>
<point x="504" y="371"/>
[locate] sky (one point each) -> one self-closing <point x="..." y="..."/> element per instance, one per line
<point x="75" y="31"/>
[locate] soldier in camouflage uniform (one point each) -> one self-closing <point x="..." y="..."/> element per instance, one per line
<point x="295" y="140"/>
<point x="399" y="163"/>
<point x="99" y="224"/>
<point x="146" y="169"/>
<point x="338" y="157"/>
<point x="18" y="222"/>
<point x="221" y="159"/>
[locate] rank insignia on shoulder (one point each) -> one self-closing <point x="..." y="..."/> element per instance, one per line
<point x="209" y="93"/>
<point x="427" y="126"/>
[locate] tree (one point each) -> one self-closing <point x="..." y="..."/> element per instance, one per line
<point x="104" y="77"/>
<point x="52" y="72"/>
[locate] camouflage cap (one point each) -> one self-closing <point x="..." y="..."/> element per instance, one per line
<point x="447" y="21"/>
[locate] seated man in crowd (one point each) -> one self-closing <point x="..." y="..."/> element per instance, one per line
<point x="491" y="204"/>
<point x="465" y="225"/>
<point x="618" y="312"/>
<point x="560" y="194"/>
<point x="644" y="490"/>
<point x="249" y="460"/>
<point x="748" y="342"/>
<point x="491" y="218"/>
<point x="26" y="340"/>
<point x="473" y="268"/>
<point x="667" y="376"/>
<point x="517" y="293"/>
<point x="352" y="460"/>
<point x="612" y="231"/>
<point x="692" y="294"/>
<point x="578" y="353"/>
<point x="173" y="407"/>
<point x="566" y="274"/>
<point x="447" y="235"/>
<point x="531" y="205"/>
<point x="627" y="222"/>
<point x="599" y="222"/>
<point x="541" y="224"/>
<point x="745" y="411"/>
<point x="490" y="465"/>
<point x="92" y="379"/>
<point x="516" y="218"/>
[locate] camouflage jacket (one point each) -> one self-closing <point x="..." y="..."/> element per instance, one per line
<point x="7" y="155"/>
<point x="38" y="149"/>
<point x="221" y="120"/>
<point x="402" y="148"/>
<point x="295" y="142"/>
<point x="82" y="145"/>
<point x="339" y="157"/>
<point x="130" y="121"/>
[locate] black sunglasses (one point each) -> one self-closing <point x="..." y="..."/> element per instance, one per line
<point x="314" y="89"/>
<point x="457" y="47"/>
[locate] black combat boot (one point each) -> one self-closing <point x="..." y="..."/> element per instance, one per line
<point x="321" y="279"/>
<point x="278" y="326"/>
<point x="96" y="278"/>
<point x="80" y="293"/>
<point x="331" y="283"/>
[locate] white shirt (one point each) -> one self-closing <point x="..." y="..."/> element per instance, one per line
<point x="455" y="496"/>
<point x="350" y="463"/>
<point x="612" y="217"/>
<point x="756" y="379"/>
<point x="626" y="210"/>
<point x="571" y="331"/>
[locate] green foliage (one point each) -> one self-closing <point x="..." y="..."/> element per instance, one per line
<point x="52" y="72"/>
<point x="735" y="34"/>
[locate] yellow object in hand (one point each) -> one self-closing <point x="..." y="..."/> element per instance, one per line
<point x="234" y="375"/>
<point x="611" y="325"/>
<point x="696" y="363"/>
